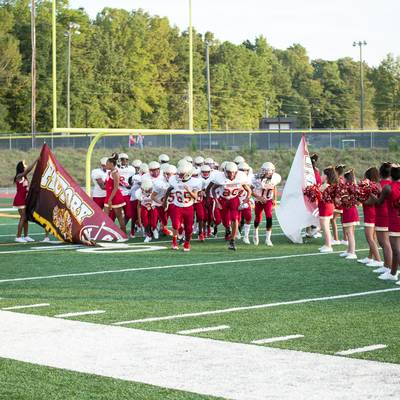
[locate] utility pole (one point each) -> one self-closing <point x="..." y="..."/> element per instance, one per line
<point x="33" y="72"/>
<point x="190" y="67"/>
<point x="72" y="28"/>
<point x="361" y="44"/>
<point x="208" y="90"/>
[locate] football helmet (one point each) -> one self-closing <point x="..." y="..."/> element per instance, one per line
<point x="199" y="161"/>
<point x="244" y="167"/>
<point x="230" y="170"/>
<point x="205" y="171"/>
<point x="184" y="172"/>
<point x="188" y="159"/>
<point x="238" y="160"/>
<point x="154" y="169"/>
<point x="136" y="163"/>
<point x="144" y="169"/>
<point x="147" y="186"/>
<point x="163" y="158"/>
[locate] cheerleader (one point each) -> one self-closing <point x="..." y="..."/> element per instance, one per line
<point x="382" y="220"/>
<point x="19" y="202"/>
<point x="391" y="194"/>
<point x="374" y="259"/>
<point x="350" y="218"/>
<point x="114" y="200"/>
<point x="325" y="206"/>
<point x="338" y="211"/>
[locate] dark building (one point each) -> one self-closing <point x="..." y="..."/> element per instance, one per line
<point x="278" y="124"/>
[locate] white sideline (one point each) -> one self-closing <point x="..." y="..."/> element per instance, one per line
<point x="77" y="314"/>
<point x="256" y="307"/>
<point x="197" y="365"/>
<point x="201" y="330"/>
<point x="119" y="271"/>
<point x="277" y="339"/>
<point x="26" y="306"/>
<point x="361" y="350"/>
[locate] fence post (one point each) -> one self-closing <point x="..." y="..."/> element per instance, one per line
<point x="10" y="143"/>
<point x="330" y="139"/>
<point x="291" y="139"/>
<point x="372" y="139"/>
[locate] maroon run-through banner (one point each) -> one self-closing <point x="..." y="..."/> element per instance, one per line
<point x="56" y="202"/>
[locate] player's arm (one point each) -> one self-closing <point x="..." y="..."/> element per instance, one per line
<point x="139" y="206"/>
<point x="258" y="198"/>
<point x="154" y="198"/>
<point x="209" y="188"/>
<point x="214" y="194"/>
<point x="248" y="190"/>
<point x="167" y="193"/>
<point x="27" y="170"/>
<point x="101" y="183"/>
<point x="275" y="198"/>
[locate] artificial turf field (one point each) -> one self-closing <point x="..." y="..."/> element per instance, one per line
<point x="209" y="278"/>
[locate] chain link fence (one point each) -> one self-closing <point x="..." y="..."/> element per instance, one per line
<point x="213" y="140"/>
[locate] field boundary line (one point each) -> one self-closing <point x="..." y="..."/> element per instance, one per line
<point x="256" y="307"/>
<point x="79" y="313"/>
<point x="25" y="306"/>
<point x="120" y="271"/>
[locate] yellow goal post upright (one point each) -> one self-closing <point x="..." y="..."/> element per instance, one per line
<point x="98" y="133"/>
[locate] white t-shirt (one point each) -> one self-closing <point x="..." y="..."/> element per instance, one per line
<point x="265" y="187"/>
<point x="126" y="173"/>
<point x="179" y="196"/>
<point x="97" y="190"/>
<point x="229" y="189"/>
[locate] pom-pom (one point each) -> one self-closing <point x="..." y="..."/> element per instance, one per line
<point x="313" y="193"/>
<point x="346" y="195"/>
<point x="365" y="189"/>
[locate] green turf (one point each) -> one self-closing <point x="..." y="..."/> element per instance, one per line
<point x="328" y="327"/>
<point x="22" y="381"/>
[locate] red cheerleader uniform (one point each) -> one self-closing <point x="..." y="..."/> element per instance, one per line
<point x="350" y="217"/>
<point x="382" y="217"/>
<point x="339" y="209"/>
<point x="393" y="213"/>
<point x="369" y="215"/>
<point x="325" y="209"/>
<point x="118" y="200"/>
<point x="22" y="190"/>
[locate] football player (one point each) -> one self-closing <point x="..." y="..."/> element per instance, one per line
<point x="227" y="187"/>
<point x="99" y="176"/>
<point x="126" y="172"/>
<point x="147" y="211"/>
<point x="180" y="196"/>
<point x="265" y="193"/>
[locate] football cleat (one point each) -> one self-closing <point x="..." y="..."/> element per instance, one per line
<point x="246" y="240"/>
<point x="155" y="234"/>
<point x="256" y="240"/>
<point x="20" y="240"/>
<point x="202" y="237"/>
<point x="166" y="231"/>
<point x="186" y="246"/>
<point x="147" y="239"/>
<point x="232" y="245"/>
<point x="268" y="242"/>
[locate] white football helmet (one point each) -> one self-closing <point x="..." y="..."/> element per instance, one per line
<point x="196" y="172"/>
<point x="209" y="161"/>
<point x="154" y="169"/>
<point x="205" y="171"/>
<point x="184" y="172"/>
<point x="268" y="169"/>
<point x="144" y="169"/>
<point x="147" y="185"/>
<point x="103" y="161"/>
<point x="222" y="166"/>
<point x="163" y="158"/>
<point x="199" y="161"/>
<point x="230" y="170"/>
<point x="169" y="170"/>
<point x="188" y="159"/>
<point x="238" y="160"/>
<point x="244" y="167"/>
<point x="136" y="163"/>
<point x="182" y="162"/>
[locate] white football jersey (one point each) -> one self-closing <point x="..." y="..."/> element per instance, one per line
<point x="179" y="196"/>
<point x="265" y="187"/>
<point x="126" y="173"/>
<point x="160" y="187"/>
<point x="229" y="189"/>
<point x="145" y="199"/>
<point x="97" y="190"/>
<point x="136" y="181"/>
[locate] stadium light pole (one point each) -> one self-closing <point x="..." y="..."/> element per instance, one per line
<point x="72" y="29"/>
<point x="361" y="44"/>
<point x="190" y="67"/>
<point x="33" y="72"/>
<point x="208" y="91"/>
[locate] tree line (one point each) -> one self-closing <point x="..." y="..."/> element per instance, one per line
<point x="130" y="69"/>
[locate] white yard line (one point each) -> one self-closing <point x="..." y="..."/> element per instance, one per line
<point x="193" y="364"/>
<point x="256" y="307"/>
<point x="26" y="306"/>
<point x="119" y="271"/>
<point x="201" y="330"/>
<point x="277" y="339"/>
<point x="78" y="314"/>
<point x="361" y="350"/>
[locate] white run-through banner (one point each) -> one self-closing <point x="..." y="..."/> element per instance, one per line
<point x="295" y="212"/>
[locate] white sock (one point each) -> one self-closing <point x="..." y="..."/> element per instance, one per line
<point x="268" y="235"/>
<point x="256" y="231"/>
<point x="246" y="229"/>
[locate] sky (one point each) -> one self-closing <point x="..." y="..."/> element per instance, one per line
<point x="326" y="28"/>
